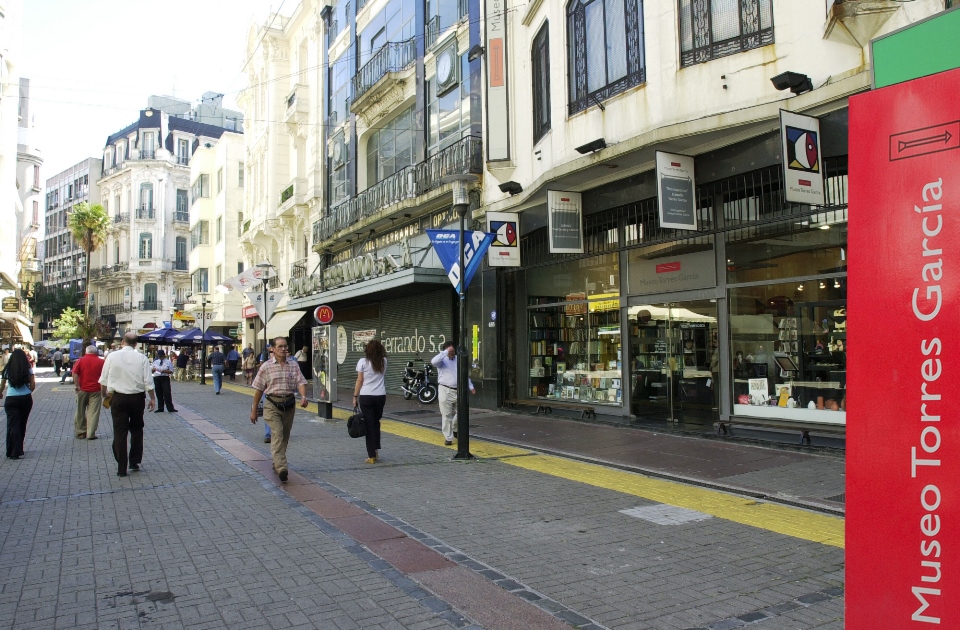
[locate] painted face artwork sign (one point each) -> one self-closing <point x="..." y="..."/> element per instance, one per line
<point x="903" y="407"/>
<point x="802" y="165"/>
<point x="505" y="249"/>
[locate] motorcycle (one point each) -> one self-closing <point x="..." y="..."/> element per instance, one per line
<point x="417" y="382"/>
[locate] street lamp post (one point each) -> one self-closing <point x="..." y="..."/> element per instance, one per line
<point x="203" y="334"/>
<point x="265" y="266"/>
<point x="461" y="202"/>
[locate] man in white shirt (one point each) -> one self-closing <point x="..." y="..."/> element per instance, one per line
<point x="57" y="361"/>
<point x="127" y="377"/>
<point x="446" y="364"/>
<point x="162" y="368"/>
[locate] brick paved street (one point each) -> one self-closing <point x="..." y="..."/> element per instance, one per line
<point x="204" y="537"/>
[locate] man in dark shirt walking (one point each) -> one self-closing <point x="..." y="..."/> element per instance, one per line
<point x="183" y="360"/>
<point x="233" y="358"/>
<point x="217" y="361"/>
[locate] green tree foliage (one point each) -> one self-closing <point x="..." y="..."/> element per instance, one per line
<point x="88" y="224"/>
<point x="73" y="324"/>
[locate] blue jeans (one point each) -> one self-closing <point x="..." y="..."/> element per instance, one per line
<point x="217" y="377"/>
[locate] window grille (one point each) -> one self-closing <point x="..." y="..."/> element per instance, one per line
<point x="710" y="29"/>
<point x="540" y="63"/>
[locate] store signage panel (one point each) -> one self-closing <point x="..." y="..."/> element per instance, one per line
<point x="498" y="112"/>
<point x="447" y="245"/>
<point x="357" y="269"/>
<point x="802" y="160"/>
<point x="265" y="305"/>
<point x="505" y="249"/>
<point x="11" y="305"/>
<point x="565" y="218"/>
<point x="324" y="374"/>
<point x="323" y="314"/>
<point x="678" y="273"/>
<point x="676" y="191"/>
<point x="903" y="438"/>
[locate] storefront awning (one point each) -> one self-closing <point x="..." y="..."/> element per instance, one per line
<point x="25" y="333"/>
<point x="281" y="323"/>
<point x="7" y="283"/>
<point x="396" y="284"/>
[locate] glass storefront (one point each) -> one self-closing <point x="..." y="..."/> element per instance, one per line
<point x="788" y="349"/>
<point x="573" y="324"/>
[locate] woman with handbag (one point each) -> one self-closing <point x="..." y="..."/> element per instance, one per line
<point x="19" y="381"/>
<point x="370" y="394"/>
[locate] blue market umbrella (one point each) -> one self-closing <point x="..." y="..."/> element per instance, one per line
<point x="160" y="336"/>
<point x="195" y="337"/>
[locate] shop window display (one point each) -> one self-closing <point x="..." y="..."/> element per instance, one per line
<point x="788" y="346"/>
<point x="575" y="351"/>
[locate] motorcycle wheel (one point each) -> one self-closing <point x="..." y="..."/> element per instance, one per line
<point x="427" y="394"/>
<point x="407" y="395"/>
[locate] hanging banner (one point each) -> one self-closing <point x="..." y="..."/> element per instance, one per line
<point x="253" y="276"/>
<point x="265" y="310"/>
<point x="565" y="216"/>
<point x="802" y="167"/>
<point x="505" y="249"/>
<point x="903" y="438"/>
<point x="498" y="112"/>
<point x="676" y="191"/>
<point x="447" y="243"/>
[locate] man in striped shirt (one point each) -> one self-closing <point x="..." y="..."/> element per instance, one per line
<point x="277" y="380"/>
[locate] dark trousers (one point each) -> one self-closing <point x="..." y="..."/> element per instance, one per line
<point x="231" y="370"/>
<point x="372" y="409"/>
<point x="57" y="365"/>
<point x="164" y="395"/>
<point x="17" y="408"/>
<point x="127" y="413"/>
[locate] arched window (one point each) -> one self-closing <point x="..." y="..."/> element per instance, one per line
<point x="604" y="49"/>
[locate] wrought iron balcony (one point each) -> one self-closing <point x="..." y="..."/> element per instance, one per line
<point x="113" y="309"/>
<point x="147" y="154"/>
<point x="466" y="156"/>
<point x="432" y="32"/>
<point x="150" y="306"/>
<point x="145" y="212"/>
<point x="181" y="265"/>
<point x="183" y="160"/>
<point x="392" y="57"/>
<point x="181" y="217"/>
<point x="178" y="306"/>
<point x="299" y="268"/>
<point x="123" y="217"/>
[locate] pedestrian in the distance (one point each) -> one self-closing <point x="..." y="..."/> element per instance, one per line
<point x="19" y="381"/>
<point x="233" y="359"/>
<point x="278" y="380"/>
<point x="57" y="361"/>
<point x="446" y="364"/>
<point x="217" y="361"/>
<point x="4" y="358"/>
<point x="161" y="369"/>
<point x="86" y="382"/>
<point x="66" y="367"/>
<point x="249" y="362"/>
<point x="183" y="360"/>
<point x="303" y="360"/>
<point x="370" y="394"/>
<point x="126" y="376"/>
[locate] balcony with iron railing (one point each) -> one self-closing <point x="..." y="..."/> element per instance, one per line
<point x="113" y="309"/>
<point x="181" y="216"/>
<point x="106" y="270"/>
<point x="179" y="305"/>
<point x="297" y="105"/>
<point x="292" y="195"/>
<point x="147" y="305"/>
<point x="299" y="268"/>
<point x="180" y="265"/>
<point x="392" y="59"/>
<point x="121" y="219"/>
<point x="148" y="154"/>
<point x="431" y="33"/>
<point x="183" y="160"/>
<point x="466" y="156"/>
<point x="145" y="212"/>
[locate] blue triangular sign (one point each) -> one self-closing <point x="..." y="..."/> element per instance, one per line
<point x="446" y="243"/>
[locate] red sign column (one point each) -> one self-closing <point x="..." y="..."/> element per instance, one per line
<point x="903" y="418"/>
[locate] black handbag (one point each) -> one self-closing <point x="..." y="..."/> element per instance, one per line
<point x="356" y="426"/>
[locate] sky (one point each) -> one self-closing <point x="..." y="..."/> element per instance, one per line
<point x="93" y="63"/>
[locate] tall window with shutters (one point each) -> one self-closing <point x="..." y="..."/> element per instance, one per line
<point x="540" y="65"/>
<point x="710" y="29"/>
<point x="604" y="50"/>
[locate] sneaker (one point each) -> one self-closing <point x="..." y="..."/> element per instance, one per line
<point x="134" y="466"/>
<point x="371" y="460"/>
<point x="447" y="443"/>
<point x="283" y="476"/>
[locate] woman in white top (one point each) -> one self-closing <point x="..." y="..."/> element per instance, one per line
<point x="371" y="394"/>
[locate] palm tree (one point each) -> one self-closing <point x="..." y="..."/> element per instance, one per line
<point x="88" y="224"/>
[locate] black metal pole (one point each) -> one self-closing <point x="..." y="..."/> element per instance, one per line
<point x="203" y="346"/>
<point x="463" y="362"/>
<point x="264" y="317"/>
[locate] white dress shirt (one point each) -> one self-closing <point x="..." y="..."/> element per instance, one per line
<point x="126" y="371"/>
<point x="447" y="370"/>
<point x="162" y="364"/>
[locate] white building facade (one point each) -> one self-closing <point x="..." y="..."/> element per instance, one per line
<point x="142" y="277"/>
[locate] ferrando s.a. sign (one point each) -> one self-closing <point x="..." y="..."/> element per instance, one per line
<point x="903" y="422"/>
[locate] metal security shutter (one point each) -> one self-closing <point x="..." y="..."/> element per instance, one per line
<point x="416" y="323"/>
<point x="347" y="371"/>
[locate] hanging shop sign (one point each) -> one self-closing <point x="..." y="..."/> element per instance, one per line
<point x="505" y="249"/>
<point x="447" y="245"/>
<point x="677" y="273"/>
<point x="183" y="316"/>
<point x="265" y="305"/>
<point x="498" y="111"/>
<point x="248" y="312"/>
<point x="676" y="191"/>
<point x="323" y="314"/>
<point x="11" y="305"/>
<point x="903" y="571"/>
<point x="565" y="218"/>
<point x="802" y="166"/>
<point x="363" y="267"/>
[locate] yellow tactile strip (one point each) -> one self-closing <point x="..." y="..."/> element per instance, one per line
<point x="795" y="522"/>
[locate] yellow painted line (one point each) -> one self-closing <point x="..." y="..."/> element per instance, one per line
<point x="781" y="519"/>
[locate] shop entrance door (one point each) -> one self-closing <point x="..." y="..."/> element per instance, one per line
<point x="674" y="360"/>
